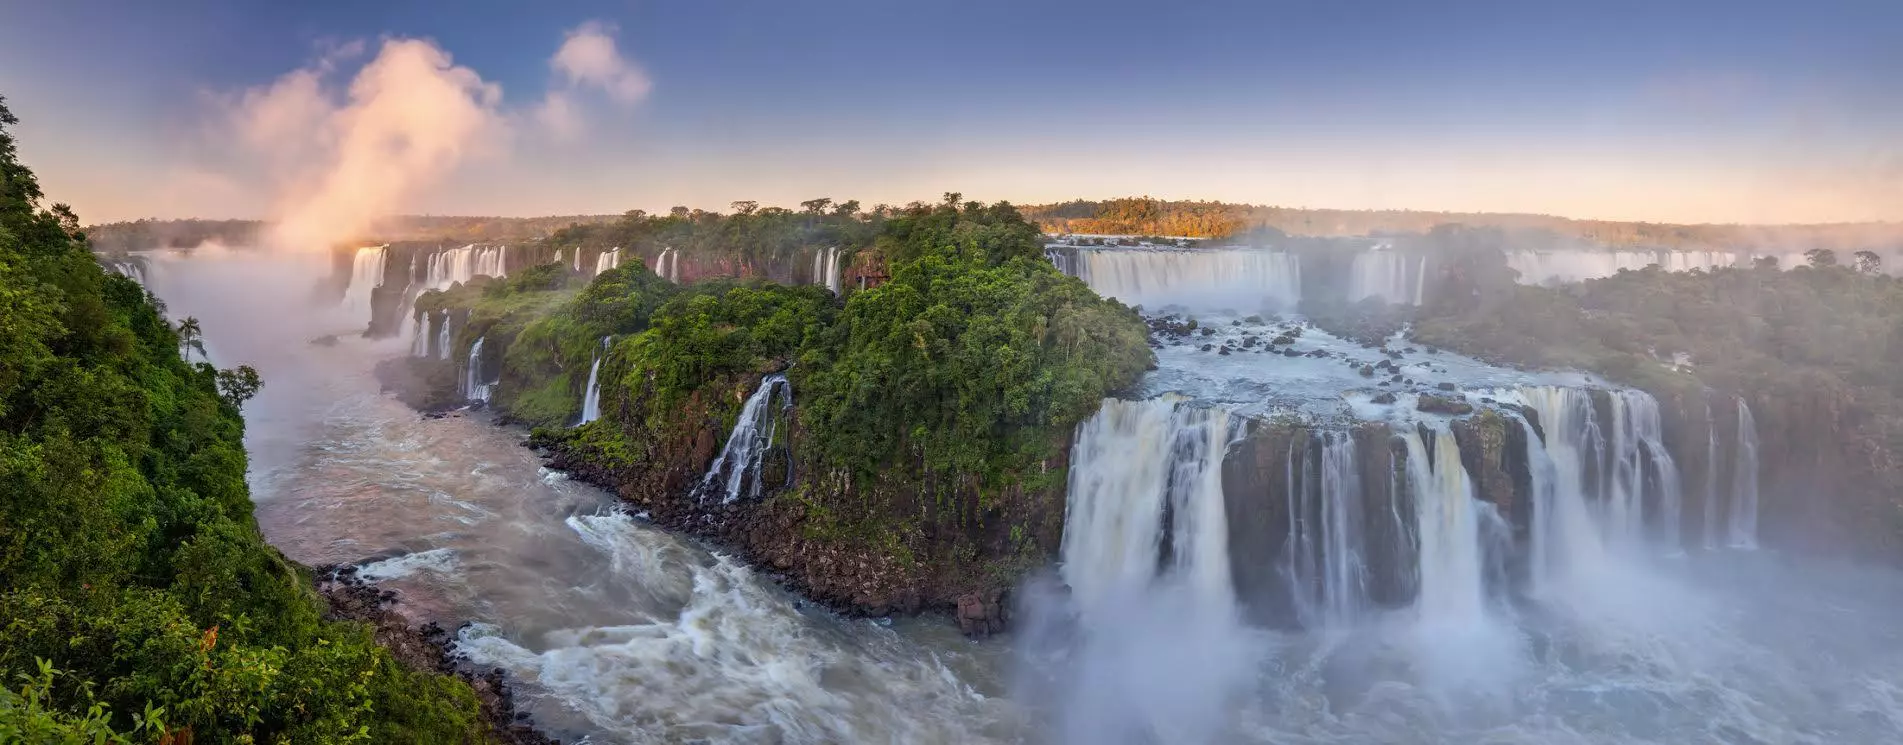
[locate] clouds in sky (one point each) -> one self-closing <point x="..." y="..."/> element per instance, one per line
<point x="588" y="60"/>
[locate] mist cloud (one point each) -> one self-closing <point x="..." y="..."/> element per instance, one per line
<point x="337" y="151"/>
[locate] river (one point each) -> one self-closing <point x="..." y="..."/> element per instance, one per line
<point x="622" y="633"/>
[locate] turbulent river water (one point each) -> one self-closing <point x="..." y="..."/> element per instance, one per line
<point x="621" y="633"/>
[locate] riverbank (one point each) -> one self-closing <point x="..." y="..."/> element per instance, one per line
<point x="426" y="647"/>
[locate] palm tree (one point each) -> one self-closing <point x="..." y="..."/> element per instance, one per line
<point x="190" y="337"/>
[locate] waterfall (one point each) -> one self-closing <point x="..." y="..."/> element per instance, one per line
<point x="1240" y="279"/>
<point x="476" y="386"/>
<point x="1452" y="562"/>
<point x="1711" y="479"/>
<point x="133" y="269"/>
<point x="450" y="266"/>
<point x="668" y="265"/>
<point x="1059" y="259"/>
<point x="1603" y="482"/>
<point x="1742" y="528"/>
<point x="366" y="275"/>
<point x="578" y="258"/>
<point x="560" y="251"/>
<point x="607" y="260"/>
<point x="1387" y="275"/>
<point x="746" y="449"/>
<point x="591" y="398"/>
<point x="443" y="337"/>
<point x="1131" y="460"/>
<point x="1638" y="441"/>
<point x="419" y="337"/>
<point x="1566" y="539"/>
<point x="1326" y="536"/>
<point x="826" y="268"/>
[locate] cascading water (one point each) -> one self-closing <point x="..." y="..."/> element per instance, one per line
<point x="443" y="336"/>
<point x="1326" y="536"/>
<point x="607" y="260"/>
<point x="450" y="266"/>
<point x="577" y="258"/>
<point x="1130" y="461"/>
<point x="476" y="385"/>
<point x="1741" y="528"/>
<point x="748" y="444"/>
<point x="826" y="268"/>
<point x="366" y="275"/>
<point x="1566" y="539"/>
<point x="1452" y="563"/>
<point x="1711" y="479"/>
<point x="1392" y="277"/>
<point x="419" y="336"/>
<point x="1059" y="259"/>
<point x="668" y="265"/>
<point x="591" y="399"/>
<point x="1641" y="476"/>
<point x="1241" y="279"/>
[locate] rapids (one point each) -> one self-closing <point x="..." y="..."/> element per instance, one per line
<point x="623" y="633"/>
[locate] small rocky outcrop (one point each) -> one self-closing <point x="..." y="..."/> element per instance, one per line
<point x="428" y="647"/>
<point x="1452" y="405"/>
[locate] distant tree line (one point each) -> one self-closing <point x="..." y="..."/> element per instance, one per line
<point x="1204" y="219"/>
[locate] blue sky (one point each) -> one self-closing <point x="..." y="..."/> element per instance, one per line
<point x="1685" y="111"/>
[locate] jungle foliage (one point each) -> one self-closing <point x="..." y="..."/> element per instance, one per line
<point x="137" y="598"/>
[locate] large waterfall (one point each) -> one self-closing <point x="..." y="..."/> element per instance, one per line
<point x="1566" y="539"/>
<point x="1452" y="559"/>
<point x="591" y="397"/>
<point x="1144" y="473"/>
<point x="366" y="275"/>
<point x="826" y="268"/>
<point x="1742" y="525"/>
<point x="450" y="266"/>
<point x="740" y="470"/>
<point x="1390" y="276"/>
<point x="1242" y="279"/>
<point x="1643" y="479"/>
<point x="607" y="260"/>
<point x="1326" y="560"/>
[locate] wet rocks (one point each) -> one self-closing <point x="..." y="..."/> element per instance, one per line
<point x="981" y="614"/>
<point x="1454" y="405"/>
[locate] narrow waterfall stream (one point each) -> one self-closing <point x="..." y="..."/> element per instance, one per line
<point x="1411" y="629"/>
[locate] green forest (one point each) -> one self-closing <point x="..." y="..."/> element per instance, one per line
<point x="138" y="601"/>
<point x="974" y="343"/>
